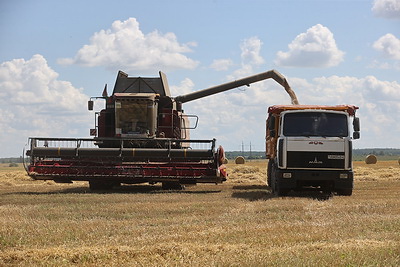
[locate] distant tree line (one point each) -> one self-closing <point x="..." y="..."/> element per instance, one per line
<point x="11" y="160"/>
<point x="377" y="151"/>
<point x="358" y="154"/>
<point x="245" y="154"/>
<point x="381" y="153"/>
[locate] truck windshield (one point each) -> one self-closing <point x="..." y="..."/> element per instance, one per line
<point x="315" y="124"/>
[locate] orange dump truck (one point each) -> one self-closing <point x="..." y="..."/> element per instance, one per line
<point x="310" y="147"/>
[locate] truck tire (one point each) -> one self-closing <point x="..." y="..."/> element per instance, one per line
<point x="345" y="192"/>
<point x="269" y="169"/>
<point x="277" y="190"/>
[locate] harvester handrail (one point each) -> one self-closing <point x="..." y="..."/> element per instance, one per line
<point x="77" y="143"/>
<point x="122" y="139"/>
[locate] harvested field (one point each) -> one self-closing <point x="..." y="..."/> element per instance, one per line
<point x="237" y="223"/>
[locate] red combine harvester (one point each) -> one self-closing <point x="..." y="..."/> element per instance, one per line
<point x="142" y="136"/>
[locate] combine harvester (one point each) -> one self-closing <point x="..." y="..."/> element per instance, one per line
<point x="142" y="136"/>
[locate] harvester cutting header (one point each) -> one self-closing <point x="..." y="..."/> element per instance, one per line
<point x="141" y="136"/>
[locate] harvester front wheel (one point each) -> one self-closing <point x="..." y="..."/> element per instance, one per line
<point x="101" y="185"/>
<point x="172" y="186"/>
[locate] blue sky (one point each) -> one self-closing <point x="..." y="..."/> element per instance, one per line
<point x="54" y="55"/>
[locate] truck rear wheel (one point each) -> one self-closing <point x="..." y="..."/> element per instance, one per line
<point x="345" y="192"/>
<point x="278" y="190"/>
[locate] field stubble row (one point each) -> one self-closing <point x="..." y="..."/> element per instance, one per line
<point x="236" y="223"/>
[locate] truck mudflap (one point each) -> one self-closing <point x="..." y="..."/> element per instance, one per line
<point x="339" y="181"/>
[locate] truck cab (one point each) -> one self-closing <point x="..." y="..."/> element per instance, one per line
<point x="310" y="147"/>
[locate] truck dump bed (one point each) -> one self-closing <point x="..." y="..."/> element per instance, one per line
<point x="277" y="109"/>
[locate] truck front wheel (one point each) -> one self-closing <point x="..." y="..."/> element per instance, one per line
<point x="345" y="192"/>
<point x="276" y="186"/>
<point x="269" y="170"/>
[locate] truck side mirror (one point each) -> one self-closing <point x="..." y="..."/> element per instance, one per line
<point x="356" y="124"/>
<point x="356" y="135"/>
<point x="90" y="105"/>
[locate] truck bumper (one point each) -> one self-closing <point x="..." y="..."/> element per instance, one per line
<point x="333" y="180"/>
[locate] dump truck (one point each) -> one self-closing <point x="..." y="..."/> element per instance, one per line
<point x="310" y="147"/>
<point x="141" y="136"/>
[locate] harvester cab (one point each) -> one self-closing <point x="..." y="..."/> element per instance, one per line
<point x="139" y="109"/>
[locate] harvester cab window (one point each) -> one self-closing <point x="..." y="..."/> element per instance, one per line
<point x="133" y="117"/>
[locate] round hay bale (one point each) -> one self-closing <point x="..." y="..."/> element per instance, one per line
<point x="399" y="161"/>
<point x="371" y="159"/>
<point x="225" y="161"/>
<point x="240" y="160"/>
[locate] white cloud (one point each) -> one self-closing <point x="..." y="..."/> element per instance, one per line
<point x="221" y="64"/>
<point x="387" y="9"/>
<point x="251" y="51"/>
<point x="125" y="46"/>
<point x="250" y="57"/>
<point x="186" y="86"/>
<point x="389" y="46"/>
<point x="314" y="48"/>
<point x="34" y="102"/>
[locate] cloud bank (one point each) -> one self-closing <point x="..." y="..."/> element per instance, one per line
<point x="221" y="64"/>
<point x="125" y="46"/>
<point x="34" y="102"/>
<point x="389" y="9"/>
<point x="315" y="48"/>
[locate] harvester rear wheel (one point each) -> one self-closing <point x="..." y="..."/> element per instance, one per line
<point x="172" y="186"/>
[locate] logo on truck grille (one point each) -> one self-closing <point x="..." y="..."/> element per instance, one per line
<point x="315" y="143"/>
<point x="315" y="161"/>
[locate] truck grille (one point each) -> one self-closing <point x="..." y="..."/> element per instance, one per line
<point x="315" y="160"/>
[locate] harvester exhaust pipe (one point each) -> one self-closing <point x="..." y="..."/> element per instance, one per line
<point x="279" y="78"/>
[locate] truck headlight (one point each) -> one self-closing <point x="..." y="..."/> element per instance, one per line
<point x="343" y="176"/>
<point x="287" y="175"/>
